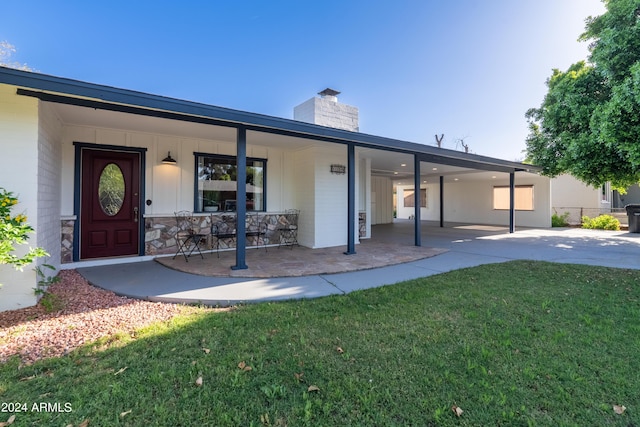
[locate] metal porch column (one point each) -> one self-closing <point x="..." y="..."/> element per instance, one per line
<point x="441" y="201"/>
<point x="351" y="199"/>
<point x="512" y="202"/>
<point x="416" y="187"/>
<point x="241" y="199"/>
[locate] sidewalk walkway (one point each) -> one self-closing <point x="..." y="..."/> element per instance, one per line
<point x="467" y="246"/>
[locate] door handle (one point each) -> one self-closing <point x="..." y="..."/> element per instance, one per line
<point x="135" y="214"/>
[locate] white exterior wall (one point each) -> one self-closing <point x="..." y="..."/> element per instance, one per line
<point x="19" y="139"/>
<point x="569" y="192"/>
<point x="330" y="197"/>
<point x="364" y="192"/>
<point x="49" y="178"/>
<point x="305" y="195"/>
<point x="471" y="201"/>
<point x="322" y="196"/>
<point x="381" y="200"/>
<point x="431" y="212"/>
<point x="171" y="187"/>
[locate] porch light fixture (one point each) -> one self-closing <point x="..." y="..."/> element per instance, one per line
<point x="169" y="160"/>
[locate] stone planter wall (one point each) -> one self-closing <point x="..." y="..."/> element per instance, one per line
<point x="160" y="232"/>
<point x="362" y="224"/>
<point x="66" y="247"/>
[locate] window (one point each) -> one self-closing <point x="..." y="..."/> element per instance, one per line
<point x="216" y="186"/>
<point x="410" y="199"/>
<point x="523" y="198"/>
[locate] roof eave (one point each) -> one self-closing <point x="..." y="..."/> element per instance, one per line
<point x="113" y="95"/>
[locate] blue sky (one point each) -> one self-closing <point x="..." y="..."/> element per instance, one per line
<point x="466" y="68"/>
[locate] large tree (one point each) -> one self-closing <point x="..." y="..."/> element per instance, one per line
<point x="589" y="122"/>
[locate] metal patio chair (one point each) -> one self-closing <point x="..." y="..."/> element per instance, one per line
<point x="257" y="228"/>
<point x="223" y="227"/>
<point x="288" y="228"/>
<point x="188" y="239"/>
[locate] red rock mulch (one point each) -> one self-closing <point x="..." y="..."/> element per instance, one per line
<point x="85" y="314"/>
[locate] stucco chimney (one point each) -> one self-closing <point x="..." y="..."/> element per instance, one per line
<point x="327" y="111"/>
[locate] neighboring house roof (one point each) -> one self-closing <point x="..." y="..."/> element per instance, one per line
<point x="74" y="92"/>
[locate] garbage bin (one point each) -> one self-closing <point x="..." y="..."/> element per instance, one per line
<point x="633" y="215"/>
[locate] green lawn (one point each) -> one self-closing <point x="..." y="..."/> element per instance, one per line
<point x="521" y="343"/>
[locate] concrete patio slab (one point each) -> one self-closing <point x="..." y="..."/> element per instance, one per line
<point x="300" y="261"/>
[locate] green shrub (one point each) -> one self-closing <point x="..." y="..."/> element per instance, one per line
<point x="603" y="222"/>
<point x="14" y="231"/>
<point x="560" y="220"/>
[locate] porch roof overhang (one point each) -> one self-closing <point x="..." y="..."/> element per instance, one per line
<point x="73" y="92"/>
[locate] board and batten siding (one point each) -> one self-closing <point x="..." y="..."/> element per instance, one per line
<point x="321" y="196"/>
<point x="171" y="187"/>
<point x="381" y="200"/>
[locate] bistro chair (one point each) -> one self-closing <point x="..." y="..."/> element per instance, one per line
<point x="223" y="227"/>
<point x="229" y="205"/>
<point x="187" y="239"/>
<point x="288" y="227"/>
<point x="257" y="228"/>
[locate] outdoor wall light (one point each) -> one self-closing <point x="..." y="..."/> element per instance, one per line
<point x="169" y="160"/>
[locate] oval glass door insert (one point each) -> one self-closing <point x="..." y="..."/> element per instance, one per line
<point x="111" y="189"/>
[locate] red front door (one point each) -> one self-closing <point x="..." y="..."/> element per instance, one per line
<point x="109" y="203"/>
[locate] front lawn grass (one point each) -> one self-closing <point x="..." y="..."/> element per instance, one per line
<point x="520" y="343"/>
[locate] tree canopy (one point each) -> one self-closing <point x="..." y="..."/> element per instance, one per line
<point x="589" y="122"/>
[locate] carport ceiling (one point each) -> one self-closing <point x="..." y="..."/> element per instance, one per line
<point x="399" y="167"/>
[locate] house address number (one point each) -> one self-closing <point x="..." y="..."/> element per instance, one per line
<point x="339" y="169"/>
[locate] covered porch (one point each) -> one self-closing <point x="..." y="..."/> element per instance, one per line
<point x="162" y="155"/>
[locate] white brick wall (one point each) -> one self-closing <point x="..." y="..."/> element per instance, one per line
<point x="49" y="180"/>
<point x="19" y="138"/>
